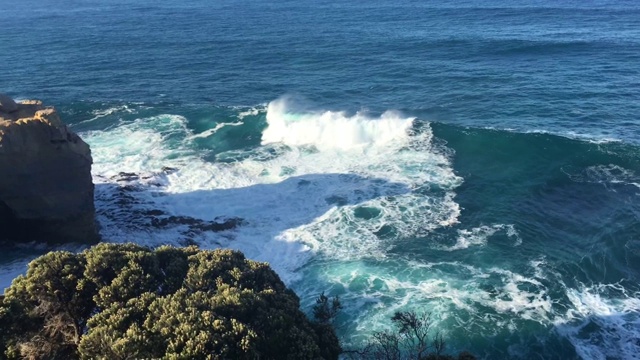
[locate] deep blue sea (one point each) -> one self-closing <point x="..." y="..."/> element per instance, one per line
<point x="478" y="160"/>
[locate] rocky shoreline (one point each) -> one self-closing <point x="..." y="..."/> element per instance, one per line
<point x="47" y="190"/>
<point x="123" y="190"/>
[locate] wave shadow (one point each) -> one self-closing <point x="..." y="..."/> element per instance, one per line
<point x="140" y="203"/>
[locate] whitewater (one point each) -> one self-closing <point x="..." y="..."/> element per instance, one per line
<point x="478" y="160"/>
<point x="356" y="205"/>
<point x="319" y="184"/>
<point x="334" y="202"/>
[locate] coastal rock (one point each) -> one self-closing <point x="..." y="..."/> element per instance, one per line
<point x="46" y="190"/>
<point x="219" y="224"/>
<point x="7" y="105"/>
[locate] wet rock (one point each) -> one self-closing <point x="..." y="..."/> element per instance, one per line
<point x="168" y="170"/>
<point x="219" y="224"/>
<point x="7" y="105"/>
<point x="125" y="176"/>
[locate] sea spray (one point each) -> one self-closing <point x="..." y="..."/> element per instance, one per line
<point x="334" y="130"/>
<point x="302" y="194"/>
<point x="383" y="218"/>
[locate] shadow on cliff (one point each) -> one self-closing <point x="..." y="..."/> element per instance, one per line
<point x="259" y="210"/>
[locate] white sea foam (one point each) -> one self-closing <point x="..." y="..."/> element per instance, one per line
<point x="209" y="132"/>
<point x="601" y="321"/>
<point x="101" y="113"/>
<point x="599" y="324"/>
<point x="251" y="112"/>
<point x="479" y="236"/>
<point x="112" y="110"/>
<point x="334" y="130"/>
<point x="140" y="146"/>
<point x="301" y="193"/>
<point x="344" y="201"/>
<point x="609" y="174"/>
<point x="616" y="319"/>
<point x="590" y="137"/>
<point x="453" y="292"/>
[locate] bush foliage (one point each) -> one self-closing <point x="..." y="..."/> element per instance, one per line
<point x="129" y="302"/>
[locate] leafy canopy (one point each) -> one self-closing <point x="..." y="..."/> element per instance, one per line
<point x="124" y="301"/>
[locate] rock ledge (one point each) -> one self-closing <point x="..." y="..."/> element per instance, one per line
<point x="46" y="190"/>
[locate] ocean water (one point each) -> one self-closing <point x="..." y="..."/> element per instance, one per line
<point x="478" y="160"/>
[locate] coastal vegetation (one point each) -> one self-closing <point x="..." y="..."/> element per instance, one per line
<point x="124" y="301"/>
<point x="130" y="302"/>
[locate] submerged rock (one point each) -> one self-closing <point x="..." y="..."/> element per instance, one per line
<point x="7" y="105"/>
<point x="46" y="190"/>
<point x="218" y="224"/>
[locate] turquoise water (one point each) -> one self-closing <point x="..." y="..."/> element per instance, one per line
<point x="479" y="160"/>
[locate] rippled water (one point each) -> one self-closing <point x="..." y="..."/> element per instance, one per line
<point x="479" y="160"/>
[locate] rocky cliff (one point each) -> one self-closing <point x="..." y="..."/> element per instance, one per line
<point x="46" y="191"/>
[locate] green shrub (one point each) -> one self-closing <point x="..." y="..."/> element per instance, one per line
<point x="126" y="301"/>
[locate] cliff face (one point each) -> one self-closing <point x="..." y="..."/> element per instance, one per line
<point x="46" y="191"/>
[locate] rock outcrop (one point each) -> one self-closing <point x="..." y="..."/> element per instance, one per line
<point x="46" y="190"/>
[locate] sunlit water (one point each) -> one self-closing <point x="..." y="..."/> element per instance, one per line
<point x="478" y="160"/>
